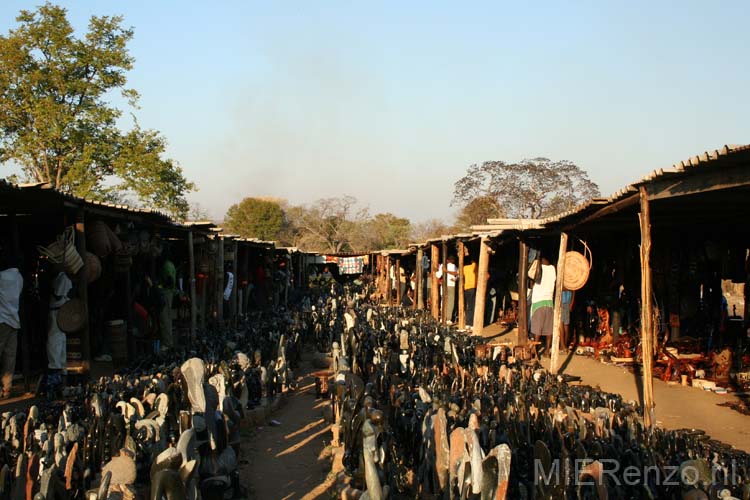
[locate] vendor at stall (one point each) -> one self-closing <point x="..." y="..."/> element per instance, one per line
<point x="11" y="285"/>
<point x="542" y="295"/>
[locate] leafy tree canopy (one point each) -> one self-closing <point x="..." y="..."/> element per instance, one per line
<point x="255" y="218"/>
<point x="56" y="121"/>
<point x="477" y="211"/>
<point x="531" y="188"/>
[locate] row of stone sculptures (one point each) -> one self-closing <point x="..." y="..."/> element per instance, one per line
<point x="425" y="410"/>
<point x="167" y="427"/>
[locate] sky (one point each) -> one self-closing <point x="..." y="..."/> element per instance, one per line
<point x="391" y="101"/>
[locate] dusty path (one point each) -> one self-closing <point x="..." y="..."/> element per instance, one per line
<point x="290" y="461"/>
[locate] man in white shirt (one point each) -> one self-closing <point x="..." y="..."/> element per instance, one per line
<point x="452" y="276"/>
<point x="11" y="285"/>
<point x="542" y="295"/>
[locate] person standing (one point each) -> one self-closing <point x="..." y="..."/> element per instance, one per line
<point x="470" y="289"/>
<point x="568" y="300"/>
<point x="11" y="286"/>
<point x="542" y="303"/>
<point x="452" y="275"/>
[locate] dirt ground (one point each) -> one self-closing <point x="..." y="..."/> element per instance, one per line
<point x="291" y="460"/>
<point x="677" y="407"/>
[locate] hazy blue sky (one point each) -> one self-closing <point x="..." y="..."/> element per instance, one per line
<point x="391" y="101"/>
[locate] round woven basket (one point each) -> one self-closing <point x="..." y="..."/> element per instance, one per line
<point x="71" y="316"/>
<point x="577" y="269"/>
<point x="97" y="238"/>
<point x="93" y="267"/>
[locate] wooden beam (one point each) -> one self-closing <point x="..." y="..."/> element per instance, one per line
<point x="220" y="282"/>
<point x="647" y="332"/>
<point x="23" y="334"/>
<point x="84" y="291"/>
<point x="460" y="287"/>
<point x="204" y="290"/>
<point x="434" y="291"/>
<point x="389" y="280"/>
<point x="523" y="310"/>
<point x="234" y="298"/>
<point x="444" y="302"/>
<point x="557" y="321"/>
<point x="615" y="207"/>
<point x="191" y="278"/>
<point x="397" y="276"/>
<point x="481" y="294"/>
<point x="419" y="303"/>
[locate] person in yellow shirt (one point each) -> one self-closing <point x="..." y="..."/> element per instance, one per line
<point x="470" y="288"/>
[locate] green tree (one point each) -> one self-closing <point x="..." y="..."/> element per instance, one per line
<point x="476" y="212"/>
<point x="255" y="218"/>
<point x="383" y="231"/>
<point x="329" y="225"/>
<point x="56" y="121"/>
<point x="530" y="188"/>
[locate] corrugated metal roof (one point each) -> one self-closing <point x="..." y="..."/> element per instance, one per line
<point x="714" y="159"/>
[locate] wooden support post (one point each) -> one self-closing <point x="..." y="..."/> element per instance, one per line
<point x="434" y="292"/>
<point x="235" y="298"/>
<point x="23" y="333"/>
<point x="130" y="340"/>
<point x="444" y="303"/>
<point x="557" y="322"/>
<point x="482" y="277"/>
<point x="220" y="282"/>
<point x="523" y="310"/>
<point x="250" y="279"/>
<point x="420" y="280"/>
<point x="191" y="278"/>
<point x="204" y="290"/>
<point x="84" y="291"/>
<point x="397" y="275"/>
<point x="460" y="287"/>
<point x="388" y="280"/>
<point x="647" y="327"/>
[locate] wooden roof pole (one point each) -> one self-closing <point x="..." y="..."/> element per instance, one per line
<point x="444" y="302"/>
<point x="481" y="294"/>
<point x="460" y="287"/>
<point x="83" y="291"/>
<point x="523" y="310"/>
<point x="397" y="277"/>
<point x="434" y="292"/>
<point x="419" y="303"/>
<point x="191" y="278"/>
<point x="647" y="327"/>
<point x="557" y="322"/>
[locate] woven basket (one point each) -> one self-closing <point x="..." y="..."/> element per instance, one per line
<point x="71" y="316"/>
<point x="93" y="267"/>
<point x="577" y="269"/>
<point x="63" y="251"/>
<point x="97" y="238"/>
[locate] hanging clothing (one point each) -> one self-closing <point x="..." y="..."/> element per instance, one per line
<point x="230" y="285"/>
<point x="351" y="265"/>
